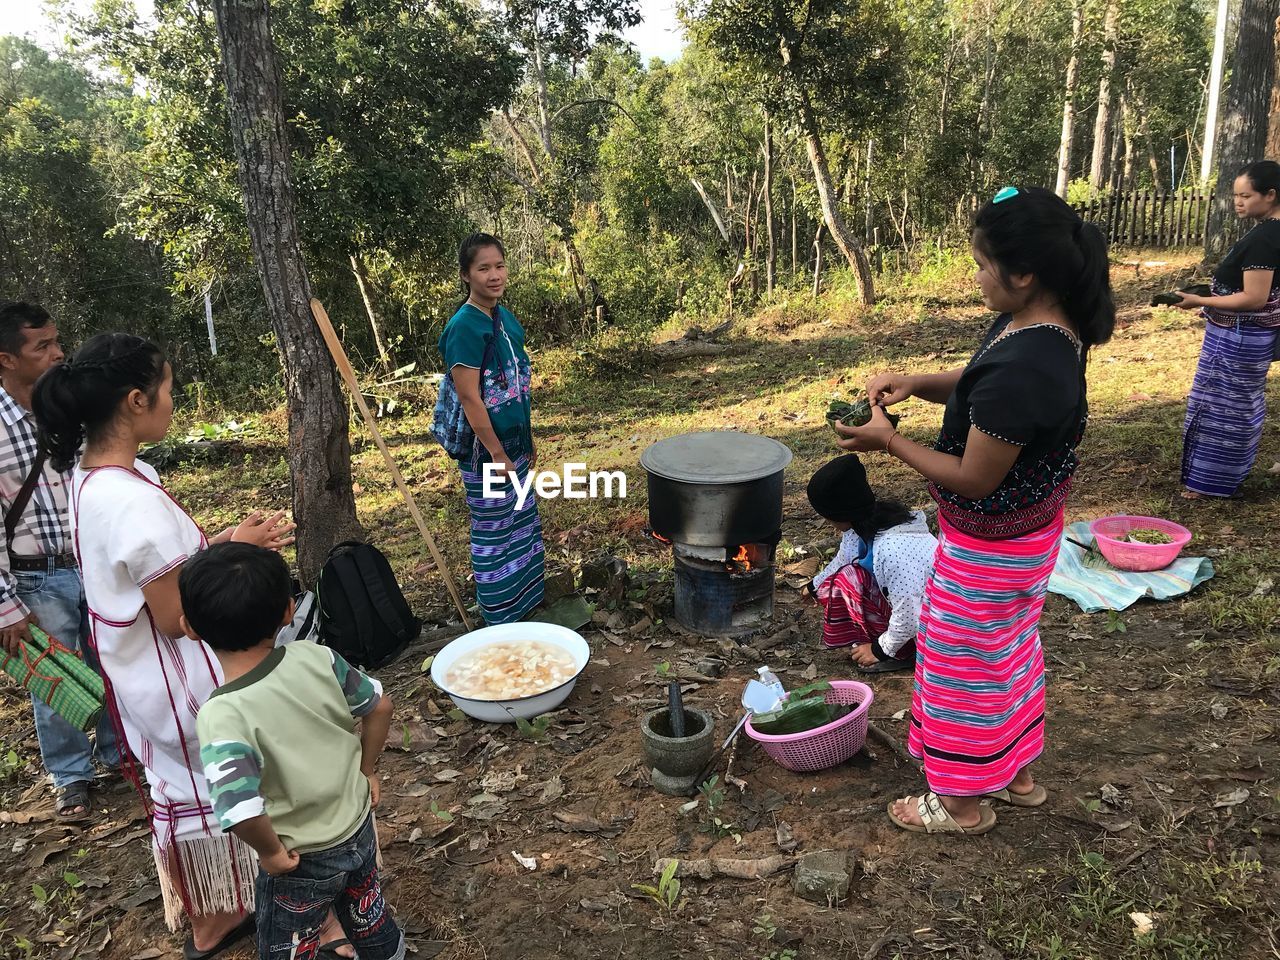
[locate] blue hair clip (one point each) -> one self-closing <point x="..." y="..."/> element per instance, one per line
<point x="1004" y="194"/>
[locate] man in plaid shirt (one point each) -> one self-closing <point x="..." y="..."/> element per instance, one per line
<point x="39" y="579"/>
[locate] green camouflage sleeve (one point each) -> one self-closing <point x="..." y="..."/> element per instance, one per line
<point x="234" y="772"/>
<point x="361" y="690"/>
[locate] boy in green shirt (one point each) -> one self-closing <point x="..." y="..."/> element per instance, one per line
<point x="287" y="773"/>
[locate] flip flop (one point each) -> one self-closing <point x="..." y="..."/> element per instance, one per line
<point x="244" y="929"/>
<point x="71" y="796"/>
<point x="938" y="820"/>
<point x="329" y="950"/>
<point x="1035" y="798"/>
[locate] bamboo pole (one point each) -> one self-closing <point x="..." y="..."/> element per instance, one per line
<point x="349" y="375"/>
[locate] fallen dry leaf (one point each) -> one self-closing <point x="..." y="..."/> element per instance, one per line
<point x="1232" y="799"/>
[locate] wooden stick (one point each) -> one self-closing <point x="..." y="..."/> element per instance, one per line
<point x="893" y="743"/>
<point x="349" y="375"/>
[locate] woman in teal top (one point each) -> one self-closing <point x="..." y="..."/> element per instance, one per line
<point x="483" y="350"/>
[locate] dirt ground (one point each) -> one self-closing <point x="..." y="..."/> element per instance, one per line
<point x="1163" y="761"/>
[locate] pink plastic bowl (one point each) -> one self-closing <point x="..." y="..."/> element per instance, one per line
<point x="828" y="745"/>
<point x="1112" y="534"/>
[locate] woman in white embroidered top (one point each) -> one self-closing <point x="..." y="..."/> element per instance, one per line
<point x="132" y="539"/>
<point x="872" y="591"/>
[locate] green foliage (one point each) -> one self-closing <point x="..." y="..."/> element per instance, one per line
<point x="10" y="763"/>
<point x="535" y="730"/>
<point x="667" y="893"/>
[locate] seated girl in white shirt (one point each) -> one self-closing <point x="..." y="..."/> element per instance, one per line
<point x="872" y="591"/>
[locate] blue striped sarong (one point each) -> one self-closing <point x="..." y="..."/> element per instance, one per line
<point x="506" y="548"/>
<point x="1224" y="412"/>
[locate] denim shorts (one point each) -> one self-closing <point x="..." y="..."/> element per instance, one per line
<point x="292" y="908"/>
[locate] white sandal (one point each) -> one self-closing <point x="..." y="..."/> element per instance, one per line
<point x="936" y="819"/>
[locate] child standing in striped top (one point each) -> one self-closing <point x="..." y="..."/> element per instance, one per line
<point x="1000" y="470"/>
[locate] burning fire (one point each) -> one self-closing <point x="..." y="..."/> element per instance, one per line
<point x="741" y="559"/>
<point x="659" y="537"/>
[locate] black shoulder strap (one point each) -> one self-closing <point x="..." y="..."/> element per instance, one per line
<point x="386" y="606"/>
<point x="344" y="565"/>
<point x="20" y="502"/>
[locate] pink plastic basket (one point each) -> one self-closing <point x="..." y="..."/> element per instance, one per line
<point x="828" y="745"/>
<point x="1112" y="534"/>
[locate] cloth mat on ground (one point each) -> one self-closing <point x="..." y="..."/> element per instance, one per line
<point x="1100" y="587"/>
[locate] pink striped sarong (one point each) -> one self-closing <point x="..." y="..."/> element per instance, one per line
<point x="977" y="710"/>
<point x="854" y="608"/>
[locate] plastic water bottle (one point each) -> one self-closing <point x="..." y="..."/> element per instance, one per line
<point x="770" y="680"/>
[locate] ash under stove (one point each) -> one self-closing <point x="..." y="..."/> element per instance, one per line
<point x="716" y="497"/>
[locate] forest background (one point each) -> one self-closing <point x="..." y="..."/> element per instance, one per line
<point x="785" y="137"/>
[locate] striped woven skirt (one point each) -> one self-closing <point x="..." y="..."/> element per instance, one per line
<point x="506" y="548"/>
<point x="977" y="710"/>
<point x="1225" y="410"/>
<point x="854" y="608"/>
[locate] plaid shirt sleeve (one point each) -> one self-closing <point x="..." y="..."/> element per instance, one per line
<point x="12" y="609"/>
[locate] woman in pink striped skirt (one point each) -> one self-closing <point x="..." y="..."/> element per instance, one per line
<point x="1000" y="471"/>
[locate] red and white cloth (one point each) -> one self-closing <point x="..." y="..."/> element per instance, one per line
<point x="883" y="606"/>
<point x="129" y="532"/>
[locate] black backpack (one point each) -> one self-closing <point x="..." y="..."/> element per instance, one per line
<point x="363" y="614"/>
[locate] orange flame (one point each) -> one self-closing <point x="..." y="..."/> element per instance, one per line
<point x="742" y="558"/>
<point x="659" y="537"/>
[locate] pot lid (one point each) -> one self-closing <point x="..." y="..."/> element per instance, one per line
<point x="715" y="456"/>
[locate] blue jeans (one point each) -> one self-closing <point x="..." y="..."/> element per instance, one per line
<point x="56" y="597"/>
<point x="292" y="908"/>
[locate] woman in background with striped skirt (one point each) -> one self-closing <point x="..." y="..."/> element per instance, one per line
<point x="483" y="350"/>
<point x="1228" y="397"/>
<point x="1000" y="471"/>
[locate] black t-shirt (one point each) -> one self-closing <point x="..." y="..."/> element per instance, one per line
<point x="1259" y="249"/>
<point x="1028" y="389"/>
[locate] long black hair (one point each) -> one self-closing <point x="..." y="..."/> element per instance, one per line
<point x="79" y="399"/>
<point x="885" y="514"/>
<point x="1031" y="230"/>
<point x="1264" y="176"/>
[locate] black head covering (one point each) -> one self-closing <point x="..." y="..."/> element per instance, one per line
<point x="839" y="490"/>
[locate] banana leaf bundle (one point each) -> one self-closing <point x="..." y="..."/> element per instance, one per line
<point x="805" y="708"/>
<point x="857" y="414"/>
<point x="57" y="675"/>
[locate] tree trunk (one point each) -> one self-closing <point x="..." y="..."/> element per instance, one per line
<point x="711" y="208"/>
<point x="771" y="260"/>
<point x="1126" y="125"/>
<point x="362" y="281"/>
<point x="1273" y="129"/>
<point x="1244" y="122"/>
<point x="846" y="243"/>
<point x="1067" y="140"/>
<point x="319" y="448"/>
<point x="540" y="87"/>
<point x="866" y="193"/>
<point x="795" y="226"/>
<point x="1102" y="122"/>
<point x="1215" y="90"/>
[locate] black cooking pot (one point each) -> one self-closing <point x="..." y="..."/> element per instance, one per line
<point x="716" y="489"/>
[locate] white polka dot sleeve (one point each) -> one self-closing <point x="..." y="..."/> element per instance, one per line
<point x="850" y="547"/>
<point x="903" y="562"/>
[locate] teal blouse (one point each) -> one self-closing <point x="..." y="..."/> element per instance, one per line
<point x="504" y="384"/>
